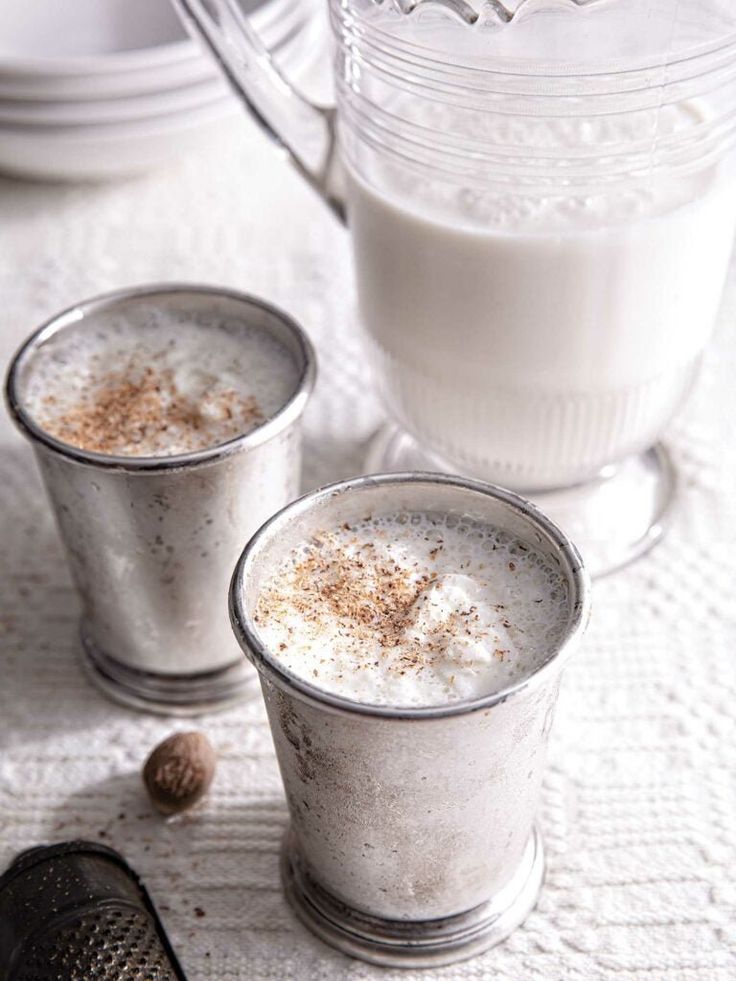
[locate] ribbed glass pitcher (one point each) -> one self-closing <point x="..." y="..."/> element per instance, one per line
<point x="542" y="202"/>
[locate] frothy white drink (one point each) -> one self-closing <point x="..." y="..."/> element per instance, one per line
<point x="153" y="382"/>
<point x="413" y="609"/>
<point x="530" y="336"/>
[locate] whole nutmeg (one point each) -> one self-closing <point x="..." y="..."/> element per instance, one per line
<point x="179" y="771"/>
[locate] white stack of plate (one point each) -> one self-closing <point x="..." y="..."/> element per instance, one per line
<point x="93" y="89"/>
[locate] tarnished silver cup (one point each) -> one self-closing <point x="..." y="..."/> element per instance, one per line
<point x="152" y="541"/>
<point x="412" y="839"/>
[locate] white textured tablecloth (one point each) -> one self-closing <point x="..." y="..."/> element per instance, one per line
<point x="639" y="810"/>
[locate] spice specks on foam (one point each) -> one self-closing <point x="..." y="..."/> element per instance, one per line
<point x="153" y="382"/>
<point x="139" y="409"/>
<point x="411" y="609"/>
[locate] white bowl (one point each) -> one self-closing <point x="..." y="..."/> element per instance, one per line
<point x="81" y="86"/>
<point x="120" y="150"/>
<point x="57" y="37"/>
<point x="104" y="151"/>
<point x="100" y="137"/>
<point x="96" y="59"/>
<point x="290" y="48"/>
<point x="102" y="111"/>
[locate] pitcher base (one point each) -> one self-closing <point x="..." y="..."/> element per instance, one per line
<point x="411" y="943"/>
<point x="163" y="694"/>
<point x="613" y="519"/>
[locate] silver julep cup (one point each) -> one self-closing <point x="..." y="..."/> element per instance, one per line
<point x="412" y="839"/>
<point x="151" y="541"/>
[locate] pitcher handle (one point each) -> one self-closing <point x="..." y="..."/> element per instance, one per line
<point x="306" y="131"/>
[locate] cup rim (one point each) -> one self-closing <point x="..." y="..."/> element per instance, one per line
<point x="280" y="420"/>
<point x="267" y="666"/>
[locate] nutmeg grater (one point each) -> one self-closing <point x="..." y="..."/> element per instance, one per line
<point x="76" y="911"/>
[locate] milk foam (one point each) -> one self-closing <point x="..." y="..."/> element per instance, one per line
<point x="413" y="609"/>
<point x="223" y="377"/>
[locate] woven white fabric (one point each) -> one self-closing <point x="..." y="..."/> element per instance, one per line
<point x="639" y="810"/>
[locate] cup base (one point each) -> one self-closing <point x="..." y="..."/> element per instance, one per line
<point x="164" y="694"/>
<point x="411" y="943"/>
<point x="613" y="519"/>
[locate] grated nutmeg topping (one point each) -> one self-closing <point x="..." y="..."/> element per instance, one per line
<point x="139" y="410"/>
<point x="412" y="608"/>
<point x="371" y="599"/>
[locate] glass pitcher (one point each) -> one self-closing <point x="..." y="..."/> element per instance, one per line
<point x="541" y="196"/>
